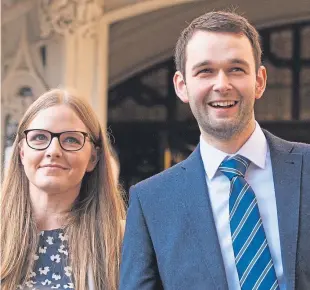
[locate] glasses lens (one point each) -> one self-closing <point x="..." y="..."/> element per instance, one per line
<point x="72" y="140"/>
<point x="38" y="139"/>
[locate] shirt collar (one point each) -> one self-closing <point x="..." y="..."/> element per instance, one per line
<point x="255" y="149"/>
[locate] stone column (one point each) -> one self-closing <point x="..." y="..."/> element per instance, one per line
<point x="85" y="47"/>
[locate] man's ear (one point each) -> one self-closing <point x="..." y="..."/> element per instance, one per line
<point x="261" y="80"/>
<point x="94" y="158"/>
<point x="180" y="87"/>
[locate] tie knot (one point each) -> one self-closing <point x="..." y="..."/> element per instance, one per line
<point x="235" y="166"/>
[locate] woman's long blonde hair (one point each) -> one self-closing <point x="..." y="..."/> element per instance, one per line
<point x="94" y="226"/>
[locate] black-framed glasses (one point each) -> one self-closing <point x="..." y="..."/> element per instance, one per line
<point x="69" y="140"/>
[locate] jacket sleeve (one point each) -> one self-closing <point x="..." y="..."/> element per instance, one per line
<point x="138" y="265"/>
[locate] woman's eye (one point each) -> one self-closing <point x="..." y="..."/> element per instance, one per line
<point x="39" y="137"/>
<point x="72" y="140"/>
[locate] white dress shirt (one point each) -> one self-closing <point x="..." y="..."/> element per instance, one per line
<point x="259" y="176"/>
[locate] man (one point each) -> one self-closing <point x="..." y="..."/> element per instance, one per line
<point x="235" y="214"/>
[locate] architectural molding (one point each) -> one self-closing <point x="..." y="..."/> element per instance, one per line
<point x="283" y="20"/>
<point x="100" y="95"/>
<point x="20" y="87"/>
<point x="69" y="16"/>
<point x="16" y="10"/>
<point x="139" y="67"/>
<point x="22" y="64"/>
<point x="21" y="74"/>
<point x="140" y="8"/>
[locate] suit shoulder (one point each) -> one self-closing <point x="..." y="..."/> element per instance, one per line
<point x="163" y="180"/>
<point x="282" y="145"/>
<point x="301" y="148"/>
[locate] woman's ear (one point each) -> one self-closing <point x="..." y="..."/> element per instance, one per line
<point x="21" y="152"/>
<point x="94" y="158"/>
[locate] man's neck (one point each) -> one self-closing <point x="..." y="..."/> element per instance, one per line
<point x="233" y="144"/>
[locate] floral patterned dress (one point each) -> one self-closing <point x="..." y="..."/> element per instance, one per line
<point x="51" y="269"/>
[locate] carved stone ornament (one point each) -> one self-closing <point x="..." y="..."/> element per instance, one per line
<point x="22" y="82"/>
<point x="69" y="16"/>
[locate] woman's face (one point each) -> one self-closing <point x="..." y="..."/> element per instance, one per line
<point x="54" y="170"/>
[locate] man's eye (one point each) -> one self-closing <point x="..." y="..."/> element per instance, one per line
<point x="237" y="69"/>
<point x="206" y="70"/>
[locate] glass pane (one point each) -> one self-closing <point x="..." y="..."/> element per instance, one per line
<point x="305" y="94"/>
<point x="158" y="80"/>
<point x="281" y="43"/>
<point x="275" y="104"/>
<point x="183" y="111"/>
<point x="305" y="42"/>
<point x="129" y="110"/>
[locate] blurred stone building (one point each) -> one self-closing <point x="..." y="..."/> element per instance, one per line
<point x="118" y="55"/>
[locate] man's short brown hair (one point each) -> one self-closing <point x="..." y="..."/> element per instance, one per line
<point x="219" y="21"/>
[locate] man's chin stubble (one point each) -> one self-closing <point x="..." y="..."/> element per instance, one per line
<point x="224" y="132"/>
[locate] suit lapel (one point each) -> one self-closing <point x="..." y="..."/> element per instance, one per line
<point x="201" y="216"/>
<point x="286" y="168"/>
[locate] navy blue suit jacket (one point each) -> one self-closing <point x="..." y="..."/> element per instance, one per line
<point x="170" y="238"/>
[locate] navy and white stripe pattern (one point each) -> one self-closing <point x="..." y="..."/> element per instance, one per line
<point x="252" y="255"/>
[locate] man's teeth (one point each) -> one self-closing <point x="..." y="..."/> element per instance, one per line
<point x="223" y="104"/>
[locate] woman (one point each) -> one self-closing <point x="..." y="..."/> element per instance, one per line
<point x="60" y="207"/>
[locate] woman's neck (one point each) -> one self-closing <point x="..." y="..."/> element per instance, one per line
<point x="51" y="210"/>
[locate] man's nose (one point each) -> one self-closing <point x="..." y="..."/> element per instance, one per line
<point x="222" y="83"/>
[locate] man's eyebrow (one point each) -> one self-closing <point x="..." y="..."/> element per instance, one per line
<point x="232" y="61"/>
<point x="239" y="61"/>
<point x="200" y="64"/>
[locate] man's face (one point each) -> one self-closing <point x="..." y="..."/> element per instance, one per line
<point x="221" y="83"/>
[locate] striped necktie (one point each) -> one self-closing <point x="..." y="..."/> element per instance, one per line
<point x="252" y="255"/>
